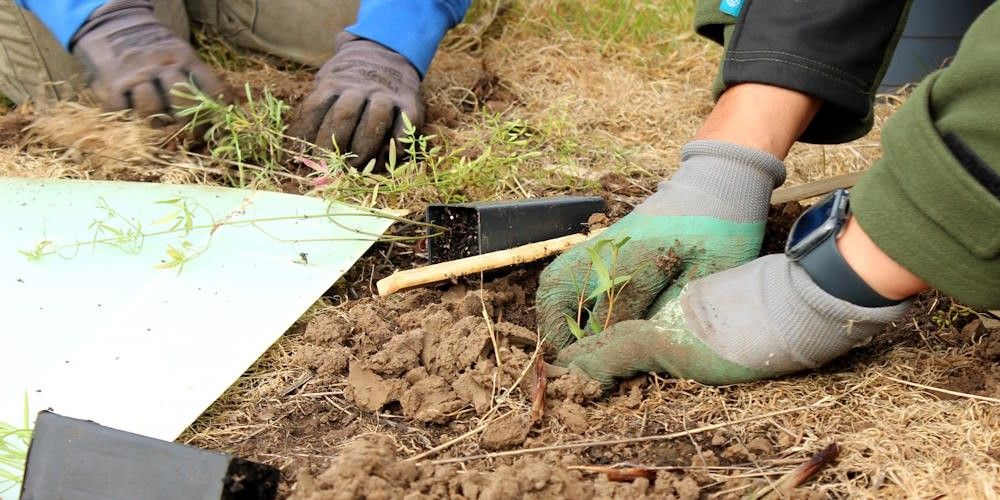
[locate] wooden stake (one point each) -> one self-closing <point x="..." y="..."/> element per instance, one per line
<point x="814" y="188"/>
<point x="477" y="263"/>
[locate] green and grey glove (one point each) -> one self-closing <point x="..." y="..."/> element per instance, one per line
<point x="708" y="217"/>
<point x="358" y="99"/>
<point x="761" y="320"/>
<point x="133" y="61"/>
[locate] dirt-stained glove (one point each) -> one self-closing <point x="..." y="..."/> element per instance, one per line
<point x="761" y="320"/>
<point x="709" y="216"/>
<point x="357" y="100"/>
<point x="133" y="60"/>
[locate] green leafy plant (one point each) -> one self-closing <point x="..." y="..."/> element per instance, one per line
<point x="14" y="442"/>
<point x="244" y="134"/>
<point x="184" y="220"/>
<point x="952" y="316"/>
<point x="609" y="285"/>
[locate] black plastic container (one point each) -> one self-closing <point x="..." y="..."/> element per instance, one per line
<point x="71" y="458"/>
<point x="477" y="228"/>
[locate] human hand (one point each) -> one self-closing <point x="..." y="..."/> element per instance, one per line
<point x="761" y="320"/>
<point x="708" y="217"/>
<point x="358" y="99"/>
<point x="133" y="61"/>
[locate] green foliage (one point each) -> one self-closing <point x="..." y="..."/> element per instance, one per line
<point x="251" y="139"/>
<point x="609" y="284"/>
<point x="950" y="318"/>
<point x="14" y="442"/>
<point x="249" y="133"/>
<point x="621" y="24"/>
<point x="574" y="327"/>
<point x="191" y="225"/>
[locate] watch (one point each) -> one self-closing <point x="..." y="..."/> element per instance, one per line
<point x="812" y="242"/>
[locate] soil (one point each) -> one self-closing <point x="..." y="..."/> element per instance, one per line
<point x="425" y="361"/>
<point x="389" y="378"/>
<point x="11" y="126"/>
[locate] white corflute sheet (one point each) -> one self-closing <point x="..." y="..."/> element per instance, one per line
<point x="100" y="332"/>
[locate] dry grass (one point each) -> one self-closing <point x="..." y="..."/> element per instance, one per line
<point x="620" y="97"/>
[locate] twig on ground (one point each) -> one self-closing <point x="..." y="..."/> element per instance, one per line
<point x="458" y="439"/>
<point x="784" y="486"/>
<point x="538" y="395"/>
<point x="659" y="437"/>
<point x="620" y="475"/>
<point x="944" y="391"/>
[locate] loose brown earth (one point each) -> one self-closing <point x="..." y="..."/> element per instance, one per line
<point x="385" y="380"/>
<point x="347" y="400"/>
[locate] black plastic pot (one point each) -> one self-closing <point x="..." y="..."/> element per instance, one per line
<point x="477" y="228"/>
<point x="71" y="458"/>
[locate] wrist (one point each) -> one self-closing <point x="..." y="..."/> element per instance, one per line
<point x="722" y="179"/>
<point x="760" y="116"/>
<point x="884" y="275"/>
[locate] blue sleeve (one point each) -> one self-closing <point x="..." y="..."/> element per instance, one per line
<point x="62" y="17"/>
<point x="413" y="28"/>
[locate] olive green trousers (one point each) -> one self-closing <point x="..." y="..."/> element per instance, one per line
<point x="33" y="65"/>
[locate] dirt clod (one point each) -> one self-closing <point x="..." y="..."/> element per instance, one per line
<point x="507" y="432"/>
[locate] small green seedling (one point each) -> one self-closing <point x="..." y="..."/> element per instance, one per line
<point x="609" y="284"/>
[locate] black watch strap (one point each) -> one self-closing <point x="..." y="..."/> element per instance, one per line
<point x="830" y="272"/>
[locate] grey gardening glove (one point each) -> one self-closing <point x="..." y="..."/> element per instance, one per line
<point x="133" y="60"/>
<point x="709" y="216"/>
<point x="357" y="100"/>
<point x="761" y="320"/>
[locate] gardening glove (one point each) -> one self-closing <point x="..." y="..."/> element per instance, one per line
<point x="709" y="216"/>
<point x="133" y="61"/>
<point x="760" y="320"/>
<point x="358" y="99"/>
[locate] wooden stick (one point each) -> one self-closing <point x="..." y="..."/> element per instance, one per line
<point x="478" y="263"/>
<point x="814" y="188"/>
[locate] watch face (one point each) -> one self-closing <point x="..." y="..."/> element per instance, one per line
<point x="816" y="224"/>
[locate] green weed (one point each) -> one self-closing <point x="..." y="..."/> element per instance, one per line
<point x="250" y="133"/>
<point x="951" y="317"/>
<point x="14" y="442"/>
<point x="502" y="160"/>
<point x="619" y="24"/>
<point x="184" y="220"/>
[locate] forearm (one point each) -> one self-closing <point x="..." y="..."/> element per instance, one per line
<point x="762" y="117"/>
<point x="412" y="28"/>
<point x="834" y="51"/>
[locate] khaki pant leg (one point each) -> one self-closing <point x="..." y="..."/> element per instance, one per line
<point x="34" y="66"/>
<point x="298" y="30"/>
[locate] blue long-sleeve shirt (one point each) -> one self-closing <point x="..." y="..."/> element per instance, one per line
<point x="413" y="28"/>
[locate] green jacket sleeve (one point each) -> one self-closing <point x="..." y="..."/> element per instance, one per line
<point x="932" y="202"/>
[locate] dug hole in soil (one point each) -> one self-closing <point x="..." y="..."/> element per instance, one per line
<point x="391" y="378"/>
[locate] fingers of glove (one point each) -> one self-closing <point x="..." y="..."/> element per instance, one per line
<point x="561" y="287"/>
<point x="202" y="77"/>
<point x="337" y="129"/>
<point x="147" y="98"/>
<point x="310" y="114"/>
<point x="622" y="351"/>
<point x="373" y="129"/>
<point x="649" y="267"/>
